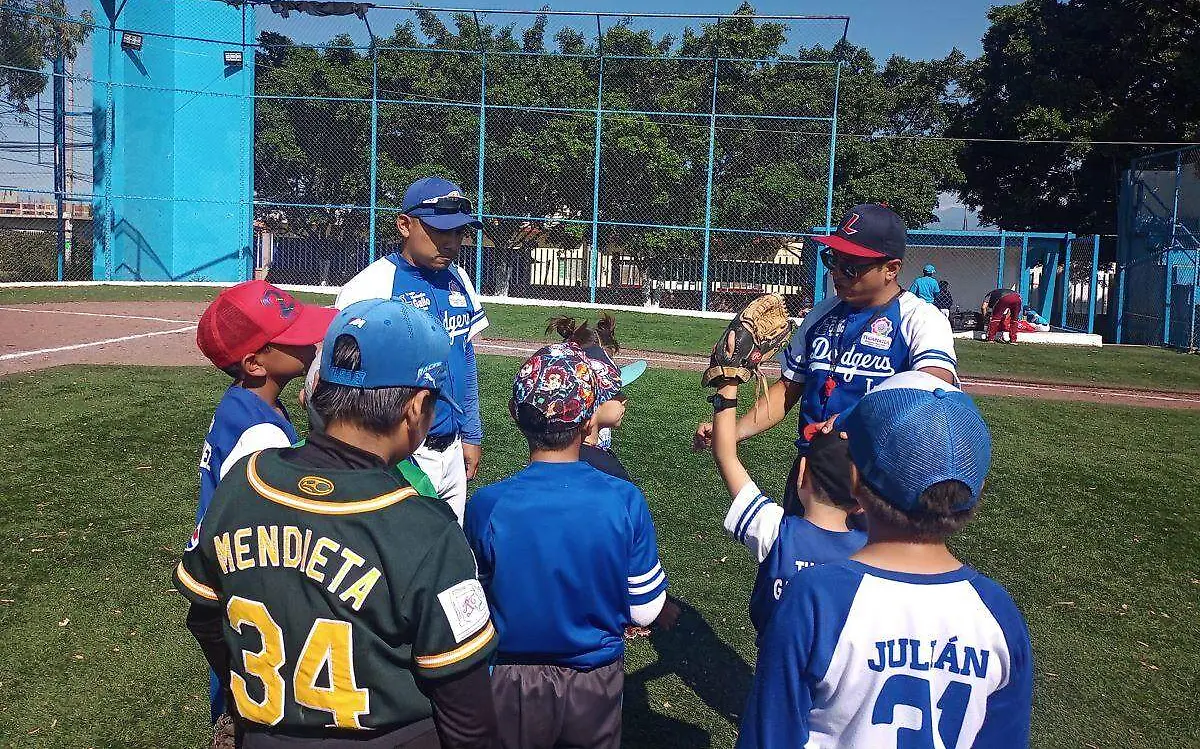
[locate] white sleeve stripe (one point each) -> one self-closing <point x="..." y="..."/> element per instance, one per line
<point x="638" y="590"/>
<point x="936" y="352"/>
<point x="257" y="437"/>
<point x="636" y="579"/>
<point x="644" y="614"/>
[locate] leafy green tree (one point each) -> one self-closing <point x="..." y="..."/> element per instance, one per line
<point x="1079" y="70"/>
<point x="31" y="41"/>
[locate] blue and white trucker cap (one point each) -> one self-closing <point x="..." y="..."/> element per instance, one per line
<point x="399" y="345"/>
<point x="913" y="431"/>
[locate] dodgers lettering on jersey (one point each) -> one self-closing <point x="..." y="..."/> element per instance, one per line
<point x="782" y="545"/>
<point x="907" y="334"/>
<point x="447" y="295"/>
<point x="243" y="423"/>
<point x="858" y="656"/>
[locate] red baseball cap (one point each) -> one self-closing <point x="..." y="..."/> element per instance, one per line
<point x="244" y="318"/>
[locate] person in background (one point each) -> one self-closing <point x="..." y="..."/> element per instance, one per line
<point x="926" y="286"/>
<point x="944" y="300"/>
<point x="1003" y="308"/>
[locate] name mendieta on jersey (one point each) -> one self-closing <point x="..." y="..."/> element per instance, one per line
<point x="292" y="547"/>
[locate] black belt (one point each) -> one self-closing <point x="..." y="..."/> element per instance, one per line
<point x="439" y="442"/>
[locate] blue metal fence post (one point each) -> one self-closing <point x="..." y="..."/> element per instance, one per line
<point x="1170" y="253"/>
<point x="60" y="158"/>
<point x="708" y="190"/>
<point x="837" y="87"/>
<point x="1023" y="285"/>
<point x="1066" y="279"/>
<point x="482" y="155"/>
<point x="593" y="282"/>
<point x="1093" y="283"/>
<point x="1000" y="264"/>
<point x="374" y="147"/>
<point x="479" y="168"/>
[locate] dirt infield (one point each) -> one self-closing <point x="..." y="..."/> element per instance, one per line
<point x="38" y="336"/>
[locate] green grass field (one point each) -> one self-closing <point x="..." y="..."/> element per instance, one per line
<point x="1121" y="366"/>
<point x="1089" y="520"/>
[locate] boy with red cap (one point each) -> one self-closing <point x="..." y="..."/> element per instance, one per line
<point x="262" y="337"/>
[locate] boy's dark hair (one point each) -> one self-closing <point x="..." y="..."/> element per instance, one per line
<point x="603" y="334"/>
<point x="825" y="495"/>
<point x="234" y="371"/>
<point x="378" y="410"/>
<point x="934" y="521"/>
<point x="532" y="423"/>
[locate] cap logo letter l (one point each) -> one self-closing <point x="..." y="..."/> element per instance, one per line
<point x="848" y="227"/>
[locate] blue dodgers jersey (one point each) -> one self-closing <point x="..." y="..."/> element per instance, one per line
<point x="782" y="545"/>
<point x="563" y="550"/>
<point x="862" y="657"/>
<point x="243" y="423"/>
<point x="448" y="295"/>
<point x="800" y="545"/>
<point x="907" y="334"/>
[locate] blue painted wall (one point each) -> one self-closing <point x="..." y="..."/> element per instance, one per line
<point x="174" y="139"/>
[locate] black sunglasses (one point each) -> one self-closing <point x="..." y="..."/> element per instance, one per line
<point x="443" y="205"/>
<point x="850" y="270"/>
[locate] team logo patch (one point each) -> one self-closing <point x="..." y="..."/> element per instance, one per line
<point x="430" y="372"/>
<point x="876" y="341"/>
<point x="357" y="322"/>
<point x="882" y="326"/>
<point x="466" y="608"/>
<point x="456" y="298"/>
<point x="286" y="304"/>
<point x="318" y="486"/>
<point x="418" y="299"/>
<point x="194" y="541"/>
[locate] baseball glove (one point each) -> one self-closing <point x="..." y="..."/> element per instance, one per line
<point x="752" y="336"/>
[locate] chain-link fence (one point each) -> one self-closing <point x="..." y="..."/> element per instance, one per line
<point x="1158" y="254"/>
<point x="676" y="161"/>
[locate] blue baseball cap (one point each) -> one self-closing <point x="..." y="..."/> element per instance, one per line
<point x="399" y="346"/>
<point x="929" y="269"/>
<point x="439" y="203"/>
<point x="914" y="431"/>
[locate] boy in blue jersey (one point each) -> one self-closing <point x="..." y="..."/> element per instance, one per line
<point x="434" y="220"/>
<point x="785" y="542"/>
<point x="263" y="338"/>
<point x="568" y="556"/>
<point x="901" y="645"/>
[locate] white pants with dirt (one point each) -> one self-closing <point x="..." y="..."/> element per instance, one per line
<point x="448" y="474"/>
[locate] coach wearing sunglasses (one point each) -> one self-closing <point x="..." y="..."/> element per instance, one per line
<point x="851" y="342"/>
<point x="433" y="221"/>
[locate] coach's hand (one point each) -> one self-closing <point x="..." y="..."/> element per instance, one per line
<point x="472" y="456"/>
<point x="702" y="440"/>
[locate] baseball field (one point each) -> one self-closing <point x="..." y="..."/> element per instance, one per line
<point x="1089" y="519"/>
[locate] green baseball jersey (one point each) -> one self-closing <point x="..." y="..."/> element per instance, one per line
<point x="338" y="586"/>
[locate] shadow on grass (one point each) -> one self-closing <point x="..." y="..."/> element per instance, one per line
<point x="706" y="665"/>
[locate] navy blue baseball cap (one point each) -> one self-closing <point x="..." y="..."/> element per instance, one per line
<point x="439" y="203"/>
<point x="870" y="230"/>
<point x="913" y="431"/>
<point x="399" y="346"/>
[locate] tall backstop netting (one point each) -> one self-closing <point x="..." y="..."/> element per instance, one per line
<point x="651" y="160"/>
<point x="1159" y="251"/>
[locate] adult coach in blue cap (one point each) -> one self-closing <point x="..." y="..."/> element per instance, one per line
<point x="851" y="341"/>
<point x="433" y="221"/>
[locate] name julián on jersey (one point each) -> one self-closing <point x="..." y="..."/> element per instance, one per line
<point x="922" y="655"/>
<point x="326" y="562"/>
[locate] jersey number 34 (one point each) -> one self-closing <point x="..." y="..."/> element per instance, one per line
<point x="329" y="645"/>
